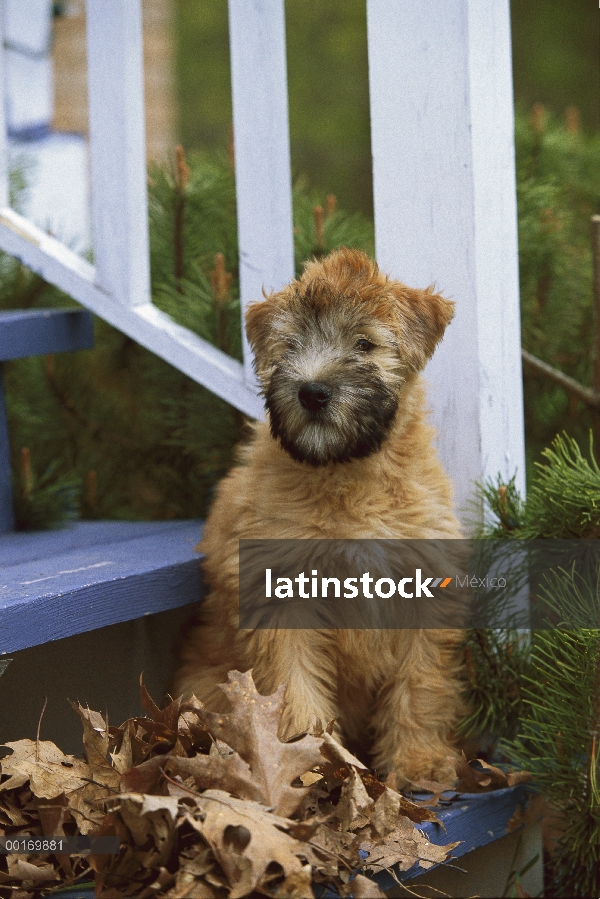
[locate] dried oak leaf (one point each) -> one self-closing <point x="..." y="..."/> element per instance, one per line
<point x="231" y="774"/>
<point x="123" y="758"/>
<point x="403" y="847"/>
<point x="353" y="811"/>
<point x="169" y="716"/>
<point x="11" y="814"/>
<point x="189" y="880"/>
<point x="246" y="840"/>
<point x="337" y="754"/>
<point x="143" y="778"/>
<point x="251" y="731"/>
<point x="86" y="805"/>
<point x="53" y="814"/>
<point x="95" y="743"/>
<point x="49" y="771"/>
<point x="151" y="822"/>
<point x="479" y="777"/>
<point x="330" y="846"/>
<point x="31" y="875"/>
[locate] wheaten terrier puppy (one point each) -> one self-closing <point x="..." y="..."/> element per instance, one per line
<point x="346" y="453"/>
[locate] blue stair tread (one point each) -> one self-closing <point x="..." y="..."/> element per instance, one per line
<point x="55" y="584"/>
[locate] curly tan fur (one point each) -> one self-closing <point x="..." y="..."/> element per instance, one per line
<point x="362" y="467"/>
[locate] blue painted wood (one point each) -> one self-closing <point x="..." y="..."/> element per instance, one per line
<point x="82" y="893"/>
<point x="6" y="504"/>
<point x="475" y="819"/>
<point x="56" y="584"/>
<point x="35" y="332"/>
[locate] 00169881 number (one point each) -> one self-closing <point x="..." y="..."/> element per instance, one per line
<point x="30" y="844"/>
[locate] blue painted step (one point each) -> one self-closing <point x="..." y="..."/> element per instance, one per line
<point x="55" y="584"/>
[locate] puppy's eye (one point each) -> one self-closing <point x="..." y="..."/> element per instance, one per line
<point x="363" y="344"/>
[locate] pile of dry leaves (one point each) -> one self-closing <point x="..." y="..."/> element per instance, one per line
<point x="210" y="805"/>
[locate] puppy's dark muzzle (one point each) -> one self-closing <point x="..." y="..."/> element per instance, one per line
<point x="314" y="395"/>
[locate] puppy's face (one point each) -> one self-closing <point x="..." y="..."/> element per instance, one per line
<point x="333" y="351"/>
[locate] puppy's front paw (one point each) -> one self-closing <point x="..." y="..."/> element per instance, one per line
<point x="427" y="773"/>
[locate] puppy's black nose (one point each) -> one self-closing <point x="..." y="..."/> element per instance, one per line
<point x="314" y="395"/>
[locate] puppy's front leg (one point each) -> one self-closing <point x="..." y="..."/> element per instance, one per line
<point x="304" y="661"/>
<point x="416" y="709"/>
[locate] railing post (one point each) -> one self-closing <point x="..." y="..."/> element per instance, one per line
<point x="117" y="149"/>
<point x="262" y="150"/>
<point x="445" y="212"/>
<point x="4" y="192"/>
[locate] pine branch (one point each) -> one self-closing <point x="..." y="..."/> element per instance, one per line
<point x="589" y="397"/>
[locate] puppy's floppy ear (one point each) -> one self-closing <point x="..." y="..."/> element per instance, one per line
<point x="257" y="323"/>
<point x="422" y="319"/>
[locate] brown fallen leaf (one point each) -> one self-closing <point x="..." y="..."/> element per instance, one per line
<point x="12" y="812"/>
<point x="251" y="731"/>
<point x="246" y="839"/>
<point x="87" y="807"/>
<point x="169" y="716"/>
<point x="143" y="778"/>
<point x="31" y="875"/>
<point x="122" y="758"/>
<point x="95" y="743"/>
<point x="404" y="847"/>
<point x="189" y="880"/>
<point x="385" y="813"/>
<point x="231" y="774"/>
<point x="48" y="770"/>
<point x="338" y="754"/>
<point x="353" y="811"/>
<point x="478" y="776"/>
<point x="151" y="819"/>
<point x="331" y="846"/>
<point x="209" y="805"/>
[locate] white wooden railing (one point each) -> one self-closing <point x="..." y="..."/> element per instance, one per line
<point x="444" y="187"/>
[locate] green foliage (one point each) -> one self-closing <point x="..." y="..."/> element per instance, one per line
<point x="321" y="227"/>
<point x="115" y="432"/>
<point x="543" y="696"/>
<point x="559" y="743"/>
<point x="496" y="661"/>
<point x="554" y="50"/>
<point x="563" y="501"/>
<point x="557" y="192"/>
<point x="46" y="501"/>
